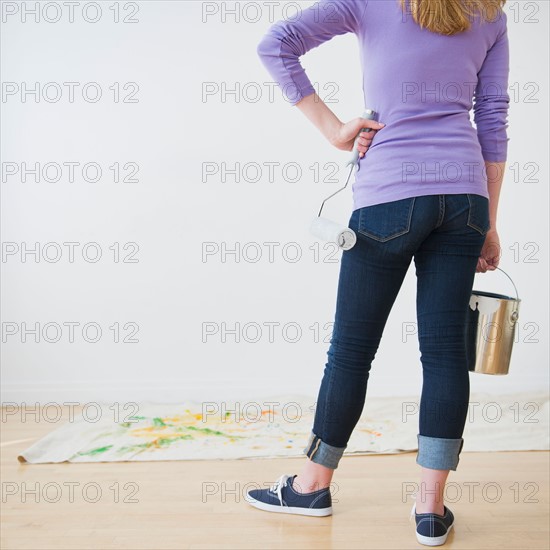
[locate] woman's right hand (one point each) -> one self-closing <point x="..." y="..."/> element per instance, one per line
<point x="344" y="138"/>
<point x="490" y="253"/>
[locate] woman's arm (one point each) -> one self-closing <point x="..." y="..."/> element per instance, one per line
<point x="491" y="251"/>
<point x="318" y="112"/>
<point x="492" y="102"/>
<point x="341" y="135"/>
<point x="495" y="175"/>
<point x="287" y="40"/>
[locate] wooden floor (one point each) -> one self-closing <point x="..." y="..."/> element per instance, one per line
<point x="500" y="500"/>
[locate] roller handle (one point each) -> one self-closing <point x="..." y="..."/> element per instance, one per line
<point x="369" y="114"/>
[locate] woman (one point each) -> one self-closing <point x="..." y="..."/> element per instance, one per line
<point x="428" y="189"/>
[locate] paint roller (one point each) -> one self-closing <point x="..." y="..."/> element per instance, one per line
<point x="331" y="231"/>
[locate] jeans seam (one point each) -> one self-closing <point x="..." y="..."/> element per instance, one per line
<point x="441" y="210"/>
<point x="327" y="399"/>
<point x="470" y="222"/>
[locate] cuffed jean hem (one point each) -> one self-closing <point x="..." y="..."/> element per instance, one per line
<point x="438" y="453"/>
<point x="321" y="453"/>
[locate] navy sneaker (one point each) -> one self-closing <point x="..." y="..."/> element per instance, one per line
<point x="432" y="529"/>
<point x="281" y="497"/>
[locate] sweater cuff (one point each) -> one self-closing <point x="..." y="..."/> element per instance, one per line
<point x="494" y="148"/>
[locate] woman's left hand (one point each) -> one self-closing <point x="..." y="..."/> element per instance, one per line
<point x="490" y="253"/>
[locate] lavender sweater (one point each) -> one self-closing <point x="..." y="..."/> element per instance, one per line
<point x="423" y="86"/>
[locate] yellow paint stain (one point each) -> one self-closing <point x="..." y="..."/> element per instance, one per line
<point x="156" y="443"/>
<point x="213" y="418"/>
<point x="180" y="419"/>
<point x="147" y="433"/>
<point x="373" y="432"/>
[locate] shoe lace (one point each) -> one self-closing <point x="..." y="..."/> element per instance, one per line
<point x="413" y="510"/>
<point x="277" y="487"/>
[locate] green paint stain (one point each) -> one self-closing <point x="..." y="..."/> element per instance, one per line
<point x="132" y="421"/>
<point x="164" y="442"/>
<point x="211" y="432"/>
<point x="168" y="441"/>
<point x="95" y="451"/>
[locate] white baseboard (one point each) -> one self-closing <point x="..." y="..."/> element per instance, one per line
<point x="173" y="391"/>
<point x="163" y="391"/>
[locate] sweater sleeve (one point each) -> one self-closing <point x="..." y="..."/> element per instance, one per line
<point x="286" y="40"/>
<point x="491" y="100"/>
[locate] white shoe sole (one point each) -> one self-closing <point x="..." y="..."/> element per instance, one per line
<point x="434" y="541"/>
<point x="317" y="512"/>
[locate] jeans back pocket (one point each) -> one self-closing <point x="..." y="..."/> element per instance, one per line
<point x="387" y="220"/>
<point x="478" y="215"/>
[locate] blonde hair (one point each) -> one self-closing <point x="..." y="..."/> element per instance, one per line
<point x="451" y="16"/>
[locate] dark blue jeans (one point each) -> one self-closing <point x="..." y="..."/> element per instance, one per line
<point x="444" y="234"/>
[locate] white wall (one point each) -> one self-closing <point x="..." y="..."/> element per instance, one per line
<point x="169" y="132"/>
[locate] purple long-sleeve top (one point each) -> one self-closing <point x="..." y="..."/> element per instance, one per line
<point x="423" y="86"/>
